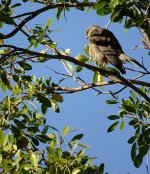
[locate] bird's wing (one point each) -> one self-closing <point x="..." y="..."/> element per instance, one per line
<point x="106" y="41"/>
<point x="108" y="45"/>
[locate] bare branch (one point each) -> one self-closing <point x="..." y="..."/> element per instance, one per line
<point x="109" y="74"/>
<point x="32" y="15"/>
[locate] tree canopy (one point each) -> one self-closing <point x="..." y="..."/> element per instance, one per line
<point x="28" y="142"/>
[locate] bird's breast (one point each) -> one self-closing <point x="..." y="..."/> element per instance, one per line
<point x="96" y="54"/>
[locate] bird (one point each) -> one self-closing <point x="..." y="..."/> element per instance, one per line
<point x="105" y="48"/>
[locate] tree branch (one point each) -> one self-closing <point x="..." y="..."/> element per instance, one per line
<point x="91" y="85"/>
<point x="109" y="74"/>
<point x="41" y="10"/>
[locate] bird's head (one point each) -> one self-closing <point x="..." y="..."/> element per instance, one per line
<point x="93" y="30"/>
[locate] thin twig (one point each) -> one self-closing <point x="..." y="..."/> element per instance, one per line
<point x="109" y="74"/>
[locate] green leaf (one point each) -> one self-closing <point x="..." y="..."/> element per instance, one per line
<point x="129" y="108"/>
<point x="81" y="58"/>
<point x="117" y="16"/>
<point x="113" y="117"/>
<point x="4" y="51"/>
<point x="113" y="126"/>
<point x="44" y="100"/>
<point x="60" y="9"/>
<point x="81" y="153"/>
<point x="48" y="82"/>
<point x="133" y="94"/>
<point x="138" y="160"/>
<point x="100" y="4"/>
<point x="80" y="8"/>
<point x="35" y="141"/>
<point x="79" y="68"/>
<point x="17" y="91"/>
<point x="66" y="130"/>
<point x="131" y="140"/>
<point x="19" y="124"/>
<point x="122" y="125"/>
<point x="58" y="97"/>
<point x="3" y="86"/>
<point x="111" y="101"/>
<point x="4" y="18"/>
<point x="86" y="50"/>
<point x="1" y="41"/>
<point x="34" y="160"/>
<point x="16" y="78"/>
<point x="55" y="106"/>
<point x="1" y="158"/>
<point x="97" y="78"/>
<point x="103" y="11"/>
<point x="25" y="66"/>
<point x="140" y="22"/>
<point x="3" y="139"/>
<point x="133" y="152"/>
<point x="45" y="129"/>
<point x="16" y="5"/>
<point x="50" y="150"/>
<point x="8" y="147"/>
<point x="114" y="3"/>
<point x="101" y="168"/>
<point x="1" y="25"/>
<point x="59" y="152"/>
<point x="27" y="78"/>
<point x="43" y="138"/>
<point x="49" y="22"/>
<point x="134" y="122"/>
<point x="84" y="145"/>
<point x="77" y="137"/>
<point x="129" y="23"/>
<point x="33" y="41"/>
<point x="70" y="66"/>
<point x="76" y="171"/>
<point x="44" y="109"/>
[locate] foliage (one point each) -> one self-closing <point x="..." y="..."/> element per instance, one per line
<point x="28" y="143"/>
<point x="16" y="157"/>
<point x="138" y="112"/>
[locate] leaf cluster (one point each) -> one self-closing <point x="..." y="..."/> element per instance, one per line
<point x="138" y="113"/>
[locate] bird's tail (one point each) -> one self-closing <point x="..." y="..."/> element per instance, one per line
<point x="126" y="58"/>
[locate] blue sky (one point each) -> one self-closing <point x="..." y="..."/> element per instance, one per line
<point x="85" y="110"/>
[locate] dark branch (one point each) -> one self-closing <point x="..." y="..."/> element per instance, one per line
<point x="112" y="75"/>
<point x="39" y="11"/>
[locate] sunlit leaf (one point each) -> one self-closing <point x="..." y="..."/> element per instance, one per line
<point x="133" y="94"/>
<point x="49" y="22"/>
<point x="122" y="125"/>
<point x="34" y="160"/>
<point x="66" y="130"/>
<point x="3" y="139"/>
<point x="70" y="66"/>
<point x="58" y="97"/>
<point x="76" y="171"/>
<point x="81" y="153"/>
